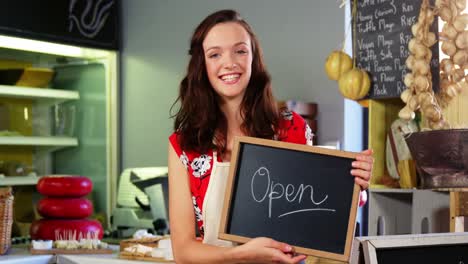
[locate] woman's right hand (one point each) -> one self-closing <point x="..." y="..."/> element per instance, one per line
<point x="266" y="250"/>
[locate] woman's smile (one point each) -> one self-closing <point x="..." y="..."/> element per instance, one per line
<point x="230" y="78"/>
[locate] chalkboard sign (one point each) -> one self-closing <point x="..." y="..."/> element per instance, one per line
<point x="447" y="248"/>
<point x="382" y="34"/>
<point x="89" y="23"/>
<point x="297" y="194"/>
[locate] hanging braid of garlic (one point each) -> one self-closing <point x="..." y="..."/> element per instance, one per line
<point x="454" y="37"/>
<point x="419" y="94"/>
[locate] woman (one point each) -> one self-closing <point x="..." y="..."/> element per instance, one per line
<point x="226" y="93"/>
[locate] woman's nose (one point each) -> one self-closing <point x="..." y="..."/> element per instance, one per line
<point x="230" y="62"/>
<point x="231" y="66"/>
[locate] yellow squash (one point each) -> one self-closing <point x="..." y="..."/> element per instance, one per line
<point x="337" y="64"/>
<point x="354" y="84"/>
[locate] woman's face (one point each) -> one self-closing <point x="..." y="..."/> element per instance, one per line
<point x="228" y="59"/>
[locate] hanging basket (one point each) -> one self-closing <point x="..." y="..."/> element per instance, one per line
<point x="441" y="157"/>
<point x="6" y="219"/>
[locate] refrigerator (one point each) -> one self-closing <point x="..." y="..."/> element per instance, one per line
<point x="69" y="127"/>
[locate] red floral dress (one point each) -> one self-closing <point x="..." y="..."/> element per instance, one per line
<point x="292" y="127"/>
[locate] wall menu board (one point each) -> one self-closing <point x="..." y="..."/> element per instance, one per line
<point x="297" y="194"/>
<point x="450" y="248"/>
<point x="382" y="34"/>
<point x="81" y="23"/>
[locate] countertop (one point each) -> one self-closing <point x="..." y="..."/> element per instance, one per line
<point x="21" y="255"/>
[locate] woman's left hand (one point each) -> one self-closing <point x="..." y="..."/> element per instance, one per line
<point x="362" y="168"/>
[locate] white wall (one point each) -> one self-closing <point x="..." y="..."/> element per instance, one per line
<point x="296" y="36"/>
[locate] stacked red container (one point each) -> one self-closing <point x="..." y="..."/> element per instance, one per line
<point x="65" y="209"/>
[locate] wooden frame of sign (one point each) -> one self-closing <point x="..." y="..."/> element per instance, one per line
<point x="371" y="245"/>
<point x="320" y="224"/>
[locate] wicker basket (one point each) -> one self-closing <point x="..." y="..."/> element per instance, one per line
<point x="6" y="219"/>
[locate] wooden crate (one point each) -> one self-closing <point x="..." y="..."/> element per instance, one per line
<point x="456" y="113"/>
<point x="458" y="209"/>
<point x="382" y="113"/>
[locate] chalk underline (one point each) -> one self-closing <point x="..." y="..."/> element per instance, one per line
<point x="305" y="210"/>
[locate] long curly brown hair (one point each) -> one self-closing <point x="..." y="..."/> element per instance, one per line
<point x="200" y="123"/>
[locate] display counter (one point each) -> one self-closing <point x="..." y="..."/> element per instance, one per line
<point x="21" y="255"/>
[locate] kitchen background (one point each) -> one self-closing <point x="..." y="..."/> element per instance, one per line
<point x="118" y="115"/>
<point x="296" y="37"/>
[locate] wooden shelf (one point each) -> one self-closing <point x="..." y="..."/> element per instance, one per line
<point x="18" y="180"/>
<point x="407" y="211"/>
<point x="47" y="144"/>
<point x="390" y="190"/>
<point x="42" y="96"/>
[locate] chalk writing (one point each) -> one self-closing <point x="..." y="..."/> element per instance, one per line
<point x="404" y="39"/>
<point x="385" y="78"/>
<point x="366" y="27"/>
<point x="405" y="7"/>
<point x="365" y="3"/>
<point x="380" y="90"/>
<point x="379" y="13"/>
<point x="407" y="21"/>
<point x="365" y="45"/>
<point x="386" y="54"/>
<point x="382" y="42"/>
<point x="381" y="68"/>
<point x="383" y="31"/>
<point x="363" y="18"/>
<point x="383" y="25"/>
<point x="275" y="190"/>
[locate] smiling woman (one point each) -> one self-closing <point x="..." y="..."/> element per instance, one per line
<point x="228" y="59"/>
<point x="227" y="93"/>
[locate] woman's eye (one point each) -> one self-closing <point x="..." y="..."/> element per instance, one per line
<point x="241" y="52"/>
<point x="213" y="55"/>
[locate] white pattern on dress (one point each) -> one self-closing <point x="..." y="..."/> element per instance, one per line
<point x="287" y="115"/>
<point x="184" y="159"/>
<point x="198" y="212"/>
<point x="309" y="135"/>
<point x="201" y="165"/>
